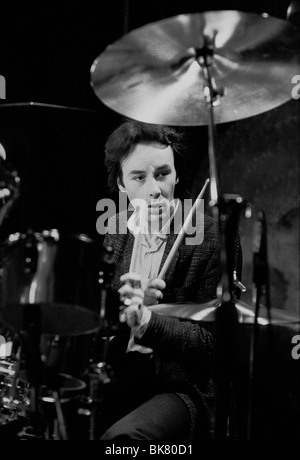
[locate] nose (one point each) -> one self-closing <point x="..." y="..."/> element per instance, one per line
<point x="154" y="189"/>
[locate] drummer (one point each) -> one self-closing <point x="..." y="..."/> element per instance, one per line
<point x="163" y="387"/>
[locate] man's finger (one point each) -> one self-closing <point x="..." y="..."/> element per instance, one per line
<point x="132" y="278"/>
<point x="157" y="283"/>
<point x="155" y="293"/>
<point x="125" y="290"/>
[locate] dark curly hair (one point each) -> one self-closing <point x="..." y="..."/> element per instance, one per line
<point x="123" y="140"/>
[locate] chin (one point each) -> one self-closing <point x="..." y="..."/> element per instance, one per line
<point x="159" y="217"/>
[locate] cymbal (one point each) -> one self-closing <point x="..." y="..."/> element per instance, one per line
<point x="56" y="319"/>
<point x="153" y="75"/>
<point x="15" y="105"/>
<point x="246" y="313"/>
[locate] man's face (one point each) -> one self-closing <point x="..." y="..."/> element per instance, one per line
<point x="149" y="174"/>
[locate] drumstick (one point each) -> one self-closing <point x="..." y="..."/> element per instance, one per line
<point x="181" y="234"/>
<point x="132" y="269"/>
<point x="137" y="236"/>
<point x="134" y="254"/>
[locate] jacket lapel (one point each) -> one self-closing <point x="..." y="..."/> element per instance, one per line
<point x="169" y="244"/>
<point x="124" y="247"/>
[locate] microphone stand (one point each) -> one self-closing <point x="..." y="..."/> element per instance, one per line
<point x="226" y="211"/>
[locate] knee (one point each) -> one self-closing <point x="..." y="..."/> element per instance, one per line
<point x="113" y="433"/>
<point x="121" y="433"/>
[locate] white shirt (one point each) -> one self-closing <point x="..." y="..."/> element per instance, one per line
<point x="145" y="260"/>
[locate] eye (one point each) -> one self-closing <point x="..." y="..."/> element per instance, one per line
<point x="139" y="178"/>
<point x="162" y="174"/>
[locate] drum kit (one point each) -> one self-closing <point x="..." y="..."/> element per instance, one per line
<point x="189" y="70"/>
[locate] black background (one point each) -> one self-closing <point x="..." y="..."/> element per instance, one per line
<point x="46" y="53"/>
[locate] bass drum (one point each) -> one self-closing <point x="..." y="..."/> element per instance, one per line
<point x="60" y="274"/>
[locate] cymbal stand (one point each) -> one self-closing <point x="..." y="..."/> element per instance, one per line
<point x="261" y="288"/>
<point x="226" y="212"/>
<point x="13" y="387"/>
<point x="101" y="373"/>
<point x="54" y="419"/>
<point x="31" y="339"/>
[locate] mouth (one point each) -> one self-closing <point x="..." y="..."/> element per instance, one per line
<point x="156" y="204"/>
<point x="156" y="208"/>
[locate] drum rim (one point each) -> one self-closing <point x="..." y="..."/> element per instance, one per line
<point x="43" y="235"/>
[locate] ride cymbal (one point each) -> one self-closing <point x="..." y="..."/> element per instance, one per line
<point x="152" y="74"/>
<point x="246" y="313"/>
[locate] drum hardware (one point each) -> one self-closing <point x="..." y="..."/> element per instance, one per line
<point x="30" y="343"/>
<point x="14" y="381"/>
<point x="57" y="394"/>
<point x="261" y="289"/>
<point x="261" y="284"/>
<point x="42" y="105"/>
<point x="151" y="74"/>
<point x="231" y="47"/>
<point x="100" y="373"/>
<point x="9" y="185"/>
<point x="226" y="211"/>
<point x="46" y="269"/>
<point x="206" y="312"/>
<point x="109" y="300"/>
<point x="14" y="390"/>
<point x="14" y="399"/>
<point x="48" y="301"/>
<point x="36" y="400"/>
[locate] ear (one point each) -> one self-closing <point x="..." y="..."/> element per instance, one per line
<point x="121" y="186"/>
<point x="177" y="180"/>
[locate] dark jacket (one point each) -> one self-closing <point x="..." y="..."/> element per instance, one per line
<point x="182" y="349"/>
<point x="194" y="272"/>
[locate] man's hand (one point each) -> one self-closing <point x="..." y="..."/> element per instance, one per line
<point x="135" y="299"/>
<point x="153" y="291"/>
<point x="132" y="295"/>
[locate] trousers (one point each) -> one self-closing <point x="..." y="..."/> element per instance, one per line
<point x="164" y="417"/>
